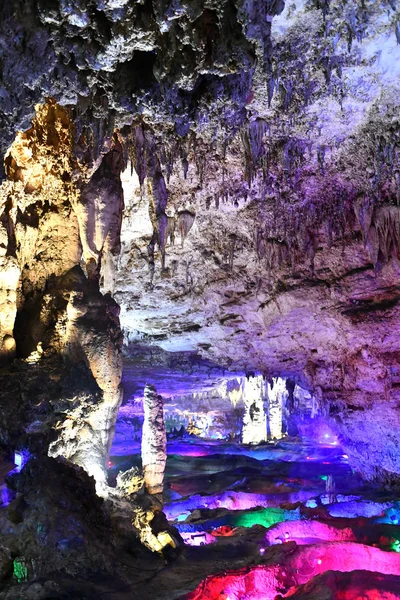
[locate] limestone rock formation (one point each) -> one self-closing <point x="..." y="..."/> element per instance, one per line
<point x="51" y="309"/>
<point x="154" y="441"/>
<point x="114" y="60"/>
<point x="92" y="336"/>
<point x="260" y="222"/>
<point x="217" y="181"/>
<point x="290" y="266"/>
<point x="254" y="418"/>
<point x="218" y="178"/>
<point x="130" y="482"/>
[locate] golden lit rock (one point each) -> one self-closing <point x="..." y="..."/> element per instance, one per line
<point x="43" y="150"/>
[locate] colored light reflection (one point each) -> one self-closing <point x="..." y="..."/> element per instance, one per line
<point x="264" y="582"/>
<point x="21" y="457"/>
<point x="396" y="546"/>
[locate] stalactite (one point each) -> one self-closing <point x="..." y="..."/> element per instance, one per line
<point x="287" y="93"/>
<point x="232" y="252"/>
<point x="185" y="166"/>
<point x="200" y="166"/>
<point x="140" y="153"/>
<point x="184" y="222"/>
<point x="397" y="31"/>
<point x="271" y="89"/>
<point x="364" y="210"/>
<point x="277" y="394"/>
<point x="387" y="223"/>
<point x="252" y="140"/>
<point x="321" y="158"/>
<point x="170" y="230"/>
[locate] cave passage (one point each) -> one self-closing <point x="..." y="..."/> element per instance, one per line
<point x="199" y="299"/>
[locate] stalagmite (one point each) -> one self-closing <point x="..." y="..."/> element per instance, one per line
<point x="154" y="441"/>
<point x="276" y="396"/>
<point x="254" y="418"/>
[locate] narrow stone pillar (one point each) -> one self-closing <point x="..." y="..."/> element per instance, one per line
<point x="154" y="441"/>
<point x="254" y="419"/>
<point x="277" y="394"/>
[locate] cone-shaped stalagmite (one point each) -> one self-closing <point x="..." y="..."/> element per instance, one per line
<point x="154" y="441"/>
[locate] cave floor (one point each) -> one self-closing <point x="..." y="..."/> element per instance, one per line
<point x="282" y="515"/>
<point x="278" y="520"/>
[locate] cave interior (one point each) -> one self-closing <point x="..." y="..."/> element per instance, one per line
<point x="199" y="299"/>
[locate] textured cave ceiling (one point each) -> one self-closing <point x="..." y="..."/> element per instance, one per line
<point x="228" y="171"/>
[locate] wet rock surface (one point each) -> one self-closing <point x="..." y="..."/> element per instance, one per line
<point x="292" y="543"/>
<point x="265" y="546"/>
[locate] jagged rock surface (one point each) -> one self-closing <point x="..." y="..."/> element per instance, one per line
<point x="281" y="248"/>
<point x="173" y="63"/>
<point x="53" y="311"/>
<point x="57" y="522"/>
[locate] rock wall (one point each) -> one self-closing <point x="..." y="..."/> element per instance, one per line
<point x="52" y="309"/>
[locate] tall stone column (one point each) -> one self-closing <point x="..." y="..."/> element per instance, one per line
<point x="277" y="394"/>
<point x="254" y="419"/>
<point x="154" y="441"/>
<point x="92" y="335"/>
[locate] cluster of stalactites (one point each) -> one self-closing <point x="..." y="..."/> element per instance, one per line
<point x="263" y="405"/>
<point x="298" y="236"/>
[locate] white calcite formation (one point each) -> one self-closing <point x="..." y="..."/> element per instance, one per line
<point x="277" y="395"/>
<point x="214" y="406"/>
<point x="263" y="407"/>
<point x="254" y="418"/>
<point x="154" y="441"/>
